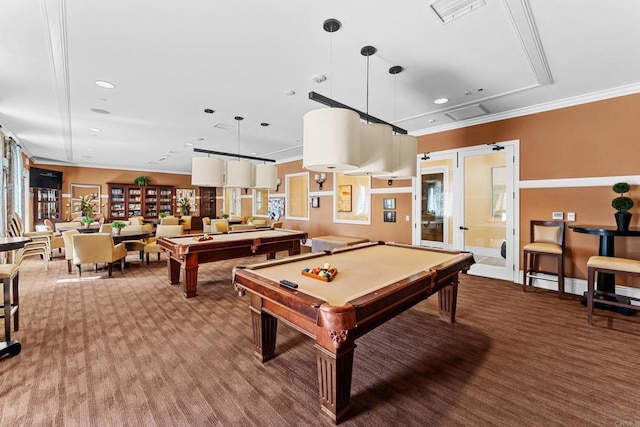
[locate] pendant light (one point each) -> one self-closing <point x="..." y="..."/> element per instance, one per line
<point x="375" y="139"/>
<point x="330" y="140"/>
<point x="239" y="173"/>
<point x="266" y="177"/>
<point x="404" y="147"/>
<point x="207" y="172"/>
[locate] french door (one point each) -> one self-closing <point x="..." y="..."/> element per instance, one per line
<point x="467" y="201"/>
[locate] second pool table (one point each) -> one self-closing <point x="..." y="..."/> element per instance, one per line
<point x="189" y="252"/>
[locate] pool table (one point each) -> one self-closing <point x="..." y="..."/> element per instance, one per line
<point x="189" y="252"/>
<point x="374" y="282"/>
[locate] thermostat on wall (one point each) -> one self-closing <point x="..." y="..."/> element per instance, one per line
<point x="556" y="215"/>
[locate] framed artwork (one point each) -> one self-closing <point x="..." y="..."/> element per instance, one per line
<point x="315" y="202"/>
<point x="389" y="216"/>
<point x="389" y="203"/>
<point x="344" y="198"/>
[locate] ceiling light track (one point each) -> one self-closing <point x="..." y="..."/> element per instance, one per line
<point x="364" y="116"/>
<point x="241" y="156"/>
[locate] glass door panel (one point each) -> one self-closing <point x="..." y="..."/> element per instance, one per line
<point x="487" y="204"/>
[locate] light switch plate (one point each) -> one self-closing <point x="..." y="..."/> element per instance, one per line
<point x="571" y="216"/>
<point x="556" y="215"/>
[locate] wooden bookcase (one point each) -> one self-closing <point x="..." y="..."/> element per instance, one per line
<point x="149" y="201"/>
<point x="46" y="203"/>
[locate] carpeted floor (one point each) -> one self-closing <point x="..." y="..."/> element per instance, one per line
<point x="131" y="350"/>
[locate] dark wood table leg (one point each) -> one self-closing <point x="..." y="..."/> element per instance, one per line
<point x="335" y="369"/>
<point x="265" y="328"/>
<point x="191" y="275"/>
<point x="295" y="250"/>
<point x="447" y="301"/>
<point x="173" y="266"/>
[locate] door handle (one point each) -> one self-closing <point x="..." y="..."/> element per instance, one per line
<point x="463" y="228"/>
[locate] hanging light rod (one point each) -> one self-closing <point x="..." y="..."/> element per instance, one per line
<point x="364" y="116"/>
<point x="220" y="153"/>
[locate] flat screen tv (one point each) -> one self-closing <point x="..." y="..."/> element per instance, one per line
<point x="45" y="178"/>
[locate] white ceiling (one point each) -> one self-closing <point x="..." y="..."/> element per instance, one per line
<point x="171" y="60"/>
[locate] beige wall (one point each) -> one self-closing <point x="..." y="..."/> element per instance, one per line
<point x="598" y="139"/>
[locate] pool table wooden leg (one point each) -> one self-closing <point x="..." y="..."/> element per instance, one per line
<point x="173" y="267"/>
<point x="190" y="275"/>
<point x="265" y="328"/>
<point x="447" y="299"/>
<point x="335" y="369"/>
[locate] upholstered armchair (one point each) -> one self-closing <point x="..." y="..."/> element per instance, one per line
<point x="68" y="246"/>
<point x="161" y="231"/>
<point x="97" y="248"/>
<point x="206" y="225"/>
<point x="170" y="220"/>
<point x="55" y="239"/>
<point x="186" y="224"/>
<point x="220" y="227"/>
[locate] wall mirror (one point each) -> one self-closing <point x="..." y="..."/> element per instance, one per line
<point x="186" y="194"/>
<point x="84" y="192"/>
<point x="352" y="201"/>
<point x="297" y="206"/>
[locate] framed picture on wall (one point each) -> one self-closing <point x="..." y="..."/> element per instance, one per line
<point x="389" y="216"/>
<point x="389" y="203"/>
<point x="344" y="198"/>
<point x="315" y="202"/>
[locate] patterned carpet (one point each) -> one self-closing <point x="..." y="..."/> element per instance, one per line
<point x="131" y="350"/>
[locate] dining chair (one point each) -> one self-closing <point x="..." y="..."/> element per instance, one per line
<point x="161" y="231"/>
<point x="97" y="248"/>
<point x="547" y="240"/>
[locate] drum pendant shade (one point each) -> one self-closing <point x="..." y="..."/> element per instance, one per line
<point x="375" y="150"/>
<point x="331" y="140"/>
<point x="266" y="177"/>
<point x="239" y="174"/>
<point x="207" y="172"/>
<point x="404" y="152"/>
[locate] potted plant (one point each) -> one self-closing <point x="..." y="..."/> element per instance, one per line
<point x="162" y="215"/>
<point x="622" y="205"/>
<point x="116" y="226"/>
<point x="184" y="206"/>
<point x="86" y="220"/>
<point x="85" y="205"/>
<point x="142" y="180"/>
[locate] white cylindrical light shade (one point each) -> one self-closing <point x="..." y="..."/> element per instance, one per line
<point x="207" y="172"/>
<point x="376" y="155"/>
<point x="266" y="177"/>
<point x="239" y="174"/>
<point x="405" y="150"/>
<point x="330" y="140"/>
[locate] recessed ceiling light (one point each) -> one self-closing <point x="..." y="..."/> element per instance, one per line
<point x="209" y="111"/>
<point x="105" y="85"/>
<point x="188" y="144"/>
<point x="289" y="92"/>
<point x="254" y="153"/>
<point x="264" y="124"/>
<point x="432" y="120"/>
<point x="198" y="139"/>
<point x="441" y="101"/>
<point x="95" y="130"/>
<point x="100" y="111"/>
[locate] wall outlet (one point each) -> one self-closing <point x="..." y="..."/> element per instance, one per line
<point x="571" y="216"/>
<point x="556" y="215"/>
<point x="406" y="218"/>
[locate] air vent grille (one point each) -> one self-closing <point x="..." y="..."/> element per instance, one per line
<point x="448" y="10"/>
<point x="466" y="112"/>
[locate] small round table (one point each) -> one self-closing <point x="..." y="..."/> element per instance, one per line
<point x="11" y="348"/>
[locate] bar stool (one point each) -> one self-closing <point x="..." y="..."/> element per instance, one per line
<point x="611" y="265"/>
<point x="9" y="273"/>
<point x="547" y="239"/>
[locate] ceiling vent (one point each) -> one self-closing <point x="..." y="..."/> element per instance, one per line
<point x="448" y="10"/>
<point x="222" y="126"/>
<point x="466" y="112"/>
